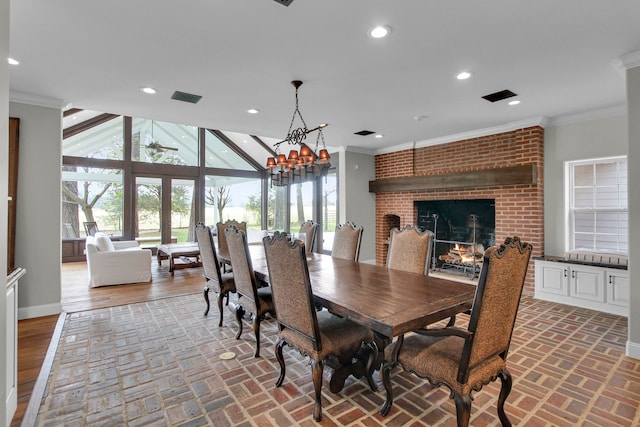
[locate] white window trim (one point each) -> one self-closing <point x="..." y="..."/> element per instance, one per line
<point x="568" y="186"/>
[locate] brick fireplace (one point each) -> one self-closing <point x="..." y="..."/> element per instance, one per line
<point x="506" y="167"/>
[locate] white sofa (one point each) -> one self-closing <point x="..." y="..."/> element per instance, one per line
<point x="114" y="263"/>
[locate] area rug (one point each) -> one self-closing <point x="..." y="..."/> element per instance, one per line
<point x="159" y="363"/>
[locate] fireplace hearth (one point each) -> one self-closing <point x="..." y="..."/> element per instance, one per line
<point x="462" y="229"/>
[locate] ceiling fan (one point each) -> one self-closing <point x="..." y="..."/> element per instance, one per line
<point x="157" y="147"/>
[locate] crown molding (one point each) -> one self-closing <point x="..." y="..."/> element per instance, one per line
<point x="394" y="148"/>
<point x="507" y="127"/>
<point x="360" y="150"/>
<point x="603" y="113"/>
<point x="630" y="60"/>
<point x="38" y="100"/>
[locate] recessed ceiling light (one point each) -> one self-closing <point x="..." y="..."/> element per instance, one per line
<point x="463" y="75"/>
<point x="253" y="111"/>
<point x="380" y="31"/>
<point x="514" y="102"/>
<point x="379" y="135"/>
<point x="12" y="61"/>
<point x="148" y="90"/>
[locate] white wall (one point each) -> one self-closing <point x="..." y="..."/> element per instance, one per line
<point x="633" y="105"/>
<point x="4" y="184"/>
<point x="38" y="246"/>
<point x="356" y="203"/>
<point x="589" y="139"/>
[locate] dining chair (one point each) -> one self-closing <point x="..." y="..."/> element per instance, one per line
<point x="223" y="248"/>
<point x="410" y="249"/>
<point x="346" y="241"/>
<point x="222" y="284"/>
<point x="256" y="300"/>
<point x="466" y="359"/>
<point x="310" y="230"/>
<point x="320" y="335"/>
<point x="90" y="228"/>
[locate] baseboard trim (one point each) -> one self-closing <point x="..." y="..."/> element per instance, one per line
<point x="633" y="350"/>
<point x="39" y="311"/>
<point x="31" y="413"/>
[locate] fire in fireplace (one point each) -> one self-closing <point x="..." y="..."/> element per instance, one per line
<point x="463" y="229"/>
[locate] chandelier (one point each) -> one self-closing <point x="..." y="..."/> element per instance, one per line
<point x="303" y="165"/>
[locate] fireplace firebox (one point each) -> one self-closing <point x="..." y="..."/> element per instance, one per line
<point x="463" y="230"/>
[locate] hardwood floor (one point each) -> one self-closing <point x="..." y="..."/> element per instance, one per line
<point x="34" y="335"/>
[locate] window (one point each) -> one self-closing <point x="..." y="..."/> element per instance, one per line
<point x="235" y="198"/>
<point x="166" y="143"/>
<point x="598" y="204"/>
<point x="91" y="195"/>
<point x="103" y="140"/>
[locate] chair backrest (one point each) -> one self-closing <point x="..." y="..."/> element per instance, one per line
<point x="291" y="287"/>
<point x="243" y="273"/>
<point x="68" y="231"/>
<point x="346" y="241"/>
<point x="496" y="302"/>
<point x="90" y="227"/>
<point x="310" y="229"/>
<point x="221" y="226"/>
<point x="208" y="254"/>
<point x="410" y="249"/>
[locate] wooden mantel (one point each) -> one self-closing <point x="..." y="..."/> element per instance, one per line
<point x="513" y="175"/>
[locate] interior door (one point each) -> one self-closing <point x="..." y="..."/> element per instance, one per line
<point x="164" y="210"/>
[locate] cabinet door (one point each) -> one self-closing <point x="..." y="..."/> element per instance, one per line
<point x="618" y="288"/>
<point x="587" y="283"/>
<point x="551" y="278"/>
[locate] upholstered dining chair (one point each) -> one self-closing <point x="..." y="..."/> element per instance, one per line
<point x="223" y="248"/>
<point x="222" y="284"/>
<point x="346" y="241"/>
<point x="466" y="359"/>
<point x="256" y="300"/>
<point x="310" y="230"/>
<point x="410" y="249"/>
<point x="318" y="334"/>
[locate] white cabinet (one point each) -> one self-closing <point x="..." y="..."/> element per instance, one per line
<point x="598" y="288"/>
<point x="11" y="390"/>
<point x="618" y="288"/>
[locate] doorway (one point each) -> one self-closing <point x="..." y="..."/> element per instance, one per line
<point x="164" y="210"/>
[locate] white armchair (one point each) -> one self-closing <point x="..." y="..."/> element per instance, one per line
<point x="115" y="263"/>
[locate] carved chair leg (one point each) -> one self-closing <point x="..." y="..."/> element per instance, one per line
<point x="279" y="344"/>
<point x="256" y="330"/>
<point x="505" y="378"/>
<point x="373" y="356"/>
<point x="220" y="298"/>
<point x="463" y="409"/>
<point x="239" y="315"/>
<point x="317" y="368"/>
<point x="386" y="381"/>
<point x="206" y="299"/>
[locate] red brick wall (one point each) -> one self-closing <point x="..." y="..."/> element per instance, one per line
<point x="519" y="208"/>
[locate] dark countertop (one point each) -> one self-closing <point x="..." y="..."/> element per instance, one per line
<point x="579" y="262"/>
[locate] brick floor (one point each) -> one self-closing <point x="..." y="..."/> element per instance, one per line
<point x="158" y="363"/>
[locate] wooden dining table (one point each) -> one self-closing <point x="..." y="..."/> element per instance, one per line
<point x="389" y="302"/>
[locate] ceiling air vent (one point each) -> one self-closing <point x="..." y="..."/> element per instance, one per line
<point x="186" y="97"/>
<point x="284" y="2"/>
<point x="499" y="96"/>
<point x="364" y="132"/>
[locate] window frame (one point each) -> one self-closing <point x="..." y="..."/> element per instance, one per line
<point x="620" y="237"/>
